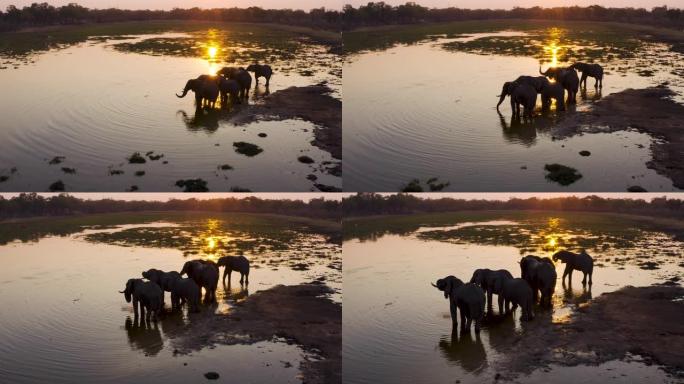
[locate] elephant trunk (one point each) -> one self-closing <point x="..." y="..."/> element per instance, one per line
<point x="185" y="92"/>
<point x="501" y="99"/>
<point x="540" y="71"/>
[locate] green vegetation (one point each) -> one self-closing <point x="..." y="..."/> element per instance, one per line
<point x="562" y="174"/>
<point x="247" y="149"/>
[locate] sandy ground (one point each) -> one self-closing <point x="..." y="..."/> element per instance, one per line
<point x="301" y="314"/>
<point x="312" y="103"/>
<point x="635" y="320"/>
<point x="647" y="110"/>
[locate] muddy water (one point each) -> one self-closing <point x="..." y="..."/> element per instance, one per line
<point x="430" y="112"/>
<point x="64" y="321"/>
<point x="395" y="319"/>
<point x="97" y="102"/>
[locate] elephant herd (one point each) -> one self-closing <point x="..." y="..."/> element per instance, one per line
<point x="148" y="293"/>
<point x="230" y="83"/>
<point x="523" y="91"/>
<point x="536" y="284"/>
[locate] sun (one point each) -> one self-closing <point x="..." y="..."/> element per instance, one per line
<point x="553" y="242"/>
<point x="212" y="51"/>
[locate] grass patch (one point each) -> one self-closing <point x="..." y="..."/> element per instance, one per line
<point x="247" y="149"/>
<point x="136" y="158"/>
<point x="192" y="185"/>
<point x="68" y="170"/>
<point x="57" y="186"/>
<point x="562" y="174"/>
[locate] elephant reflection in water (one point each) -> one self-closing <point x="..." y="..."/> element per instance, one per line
<point x="202" y="120"/>
<point x="465" y="349"/>
<point x="501" y="330"/>
<point x="578" y="296"/>
<point x="143" y="336"/>
<point x="234" y="293"/>
<point x="519" y="130"/>
<point x="261" y="91"/>
<point x="595" y="95"/>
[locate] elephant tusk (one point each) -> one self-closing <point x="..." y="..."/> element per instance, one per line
<point x="433" y="284"/>
<point x="122" y="291"/>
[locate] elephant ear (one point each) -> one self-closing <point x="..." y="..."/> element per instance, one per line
<point x="448" y="286"/>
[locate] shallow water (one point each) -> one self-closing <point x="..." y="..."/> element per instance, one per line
<point x="96" y="103"/>
<point x="430" y="112"/>
<point x="395" y="319"/>
<point x="64" y="319"/>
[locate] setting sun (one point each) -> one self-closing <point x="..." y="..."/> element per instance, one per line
<point x="212" y="52"/>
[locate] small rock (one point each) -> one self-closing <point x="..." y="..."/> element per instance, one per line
<point x="211" y="375"/>
<point x="262" y="134"/>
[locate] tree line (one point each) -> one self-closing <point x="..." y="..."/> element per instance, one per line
<point x="381" y="13"/>
<point x="32" y="205"/>
<point x="44" y="14"/>
<point x="367" y="204"/>
<point x="371" y="14"/>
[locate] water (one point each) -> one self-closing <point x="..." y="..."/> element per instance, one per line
<point x="430" y="112"/>
<point x="397" y="327"/>
<point x="95" y="103"/>
<point x="69" y="323"/>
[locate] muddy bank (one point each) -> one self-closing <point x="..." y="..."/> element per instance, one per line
<point x="312" y="103"/>
<point x="300" y="314"/>
<point x="648" y="110"/>
<point x="634" y="320"/>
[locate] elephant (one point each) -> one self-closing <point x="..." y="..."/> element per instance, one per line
<point x="468" y="298"/>
<point x="553" y="91"/>
<point x="540" y="274"/>
<point x="156" y="276"/>
<point x="567" y="77"/>
<point x="576" y="261"/>
<point x="492" y="283"/>
<point x="146" y="294"/>
<point x="229" y="87"/>
<point x="205" y="88"/>
<point x="519" y="293"/>
<point x="589" y="70"/>
<point x="243" y="78"/>
<point x="235" y="263"/>
<point x="261" y="71"/>
<point x="537" y="82"/>
<point x="521" y="94"/>
<point x="205" y="274"/>
<point x="183" y="290"/>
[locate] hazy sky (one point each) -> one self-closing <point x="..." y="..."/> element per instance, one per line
<point x="338" y="196"/>
<point x="337" y="4"/>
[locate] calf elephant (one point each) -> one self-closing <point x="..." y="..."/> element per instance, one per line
<point x="519" y="293"/>
<point x="235" y="263"/>
<point x="243" y="78"/>
<point x="468" y="298"/>
<point x="183" y="291"/>
<point x="156" y="276"/>
<point x="260" y="70"/>
<point x="521" y="94"/>
<point x="205" y="88"/>
<point x="567" y="77"/>
<point x="205" y="274"/>
<point x="553" y="91"/>
<point x="576" y="261"/>
<point x="540" y="274"/>
<point x="492" y="283"/>
<point x="589" y="70"/>
<point x="145" y="294"/>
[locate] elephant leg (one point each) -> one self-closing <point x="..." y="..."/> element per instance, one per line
<point x="247" y="279"/>
<point x="489" y="300"/>
<point x="452" y="309"/>
<point x="242" y="278"/>
<point x="469" y="322"/>
<point x="590" y="273"/>
<point x="230" y="272"/>
<point x="501" y="304"/>
<point x="268" y="80"/>
<point x="225" y="272"/>
<point x="463" y="320"/>
<point x="477" y="326"/>
<point x="135" y="308"/>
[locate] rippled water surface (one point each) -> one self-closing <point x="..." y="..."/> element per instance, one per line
<point x="426" y="109"/>
<point x="68" y="323"/>
<point x="95" y="100"/>
<point x="397" y="327"/>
